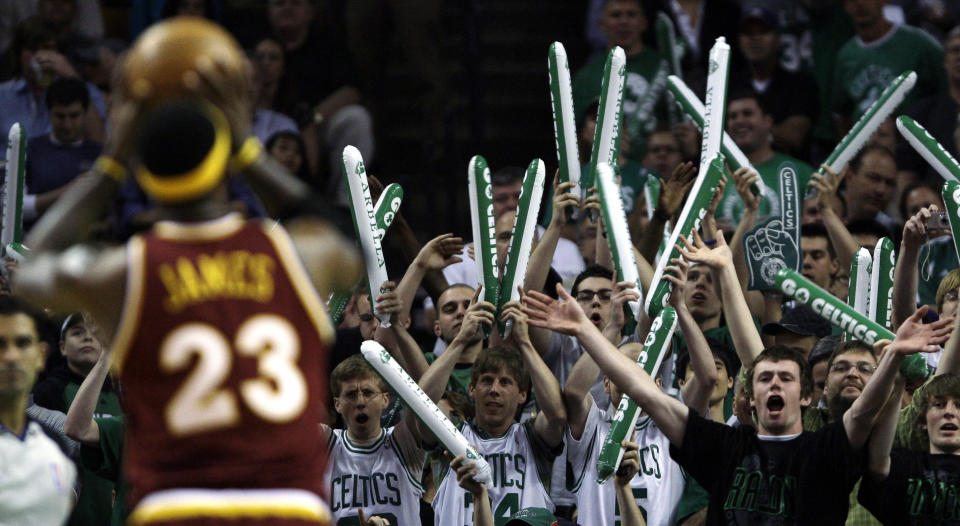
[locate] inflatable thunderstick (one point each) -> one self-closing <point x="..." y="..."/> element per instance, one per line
<point x="844" y="317"/>
<point x="422" y="406"/>
<point x="711" y="169"/>
<point x="618" y="235"/>
<point x="606" y="138"/>
<point x="364" y="223"/>
<point x="384" y="212"/>
<point x="932" y="151"/>
<point x="521" y="242"/>
<point x="564" y="124"/>
<point x="624" y="420"/>
<point x="11" y="233"/>
<point x="484" y="233"/>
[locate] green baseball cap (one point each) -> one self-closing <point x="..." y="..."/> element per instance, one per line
<point x="532" y="517"/>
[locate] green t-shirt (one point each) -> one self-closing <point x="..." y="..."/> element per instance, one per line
<point x="107" y="462"/>
<point x="97" y="493"/>
<point x="643" y="71"/>
<point x="731" y="206"/>
<point x="459" y="381"/>
<point x="864" y="70"/>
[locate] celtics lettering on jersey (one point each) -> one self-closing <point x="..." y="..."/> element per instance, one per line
<point x="933" y="499"/>
<point x="516" y="481"/>
<point x="382" y="478"/>
<point x="766" y="494"/>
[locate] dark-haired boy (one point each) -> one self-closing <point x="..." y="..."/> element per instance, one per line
<point x="780" y="474"/>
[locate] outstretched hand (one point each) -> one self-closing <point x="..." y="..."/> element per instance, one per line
<point x="623" y="292"/>
<point x="826" y="185"/>
<point x="560" y="316"/>
<point x="563" y="201"/>
<point x="440" y="252"/>
<point x="629" y="464"/>
<point x="676" y="274"/>
<point x="914" y="336"/>
<point x="479" y="313"/>
<point x="698" y="251"/>
<point x="674" y="188"/>
<point x="745" y="179"/>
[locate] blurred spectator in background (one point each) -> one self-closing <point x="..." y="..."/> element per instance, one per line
<point x="376" y="31"/>
<point x="287" y="148"/>
<point x="791" y="96"/>
<point x="870" y="183"/>
<point x="872" y="59"/>
<point x="37" y="63"/>
<point x="750" y="124"/>
<point x="698" y="23"/>
<point x="624" y="23"/>
<point x="318" y="90"/>
<point x="938" y="114"/>
<point x="54" y="160"/>
<point x="81" y="18"/>
<point x="143" y="13"/>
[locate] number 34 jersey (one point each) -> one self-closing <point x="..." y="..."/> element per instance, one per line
<point x="222" y="357"/>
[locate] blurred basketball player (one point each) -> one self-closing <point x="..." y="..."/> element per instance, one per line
<point x="219" y="335"/>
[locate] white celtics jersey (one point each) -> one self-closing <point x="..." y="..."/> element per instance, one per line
<point x="36" y="479"/>
<point x="657" y="486"/>
<point x="382" y="478"/>
<point x="516" y="479"/>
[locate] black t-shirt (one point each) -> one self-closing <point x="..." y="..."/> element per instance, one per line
<point x="922" y="489"/>
<point x="312" y="72"/>
<point x="787" y="93"/>
<point x="804" y="480"/>
<point x="938" y="115"/>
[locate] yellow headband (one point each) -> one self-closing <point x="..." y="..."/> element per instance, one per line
<point x="201" y="179"/>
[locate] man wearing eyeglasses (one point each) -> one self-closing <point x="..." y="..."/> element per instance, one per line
<point x="372" y="470"/>
<point x="849" y="369"/>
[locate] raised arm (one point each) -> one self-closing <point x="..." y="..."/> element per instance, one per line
<point x="538" y="266"/>
<point x="396" y="339"/>
<point x="950" y="358"/>
<point x="745" y="179"/>
<point x="79" y="424"/>
<point x="553" y="416"/>
<point x="843" y="243"/>
<point x="696" y="392"/>
<point x="439" y="253"/>
<point x="465" y="470"/>
<point x="673" y="188"/>
<point x="746" y="339"/>
<point x="913" y="336"/>
<point x="434" y="380"/>
<point x="629" y="466"/>
<point x="884" y="432"/>
<point x="567" y="317"/>
<point x="906" y="272"/>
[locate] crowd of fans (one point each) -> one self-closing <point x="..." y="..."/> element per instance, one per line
<point x="759" y="414"/>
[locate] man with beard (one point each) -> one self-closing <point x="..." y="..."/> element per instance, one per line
<point x="849" y="369"/>
<point x="779" y="474"/>
<point x="750" y="124"/>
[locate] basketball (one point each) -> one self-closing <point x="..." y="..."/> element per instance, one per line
<point x="160" y="65"/>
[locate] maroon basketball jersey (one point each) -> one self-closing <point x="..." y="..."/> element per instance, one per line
<point x="222" y="353"/>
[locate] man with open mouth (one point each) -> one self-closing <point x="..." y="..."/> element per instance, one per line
<point x="780" y="474"/>
<point x="910" y="486"/>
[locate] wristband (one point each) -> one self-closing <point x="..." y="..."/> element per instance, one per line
<point x="111" y="168"/>
<point x="247" y="154"/>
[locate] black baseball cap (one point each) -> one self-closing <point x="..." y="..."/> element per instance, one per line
<point x="761" y="13"/>
<point x="801" y="321"/>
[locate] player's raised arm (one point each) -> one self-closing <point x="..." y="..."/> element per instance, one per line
<point x="567" y="317"/>
<point x="552" y="417"/>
